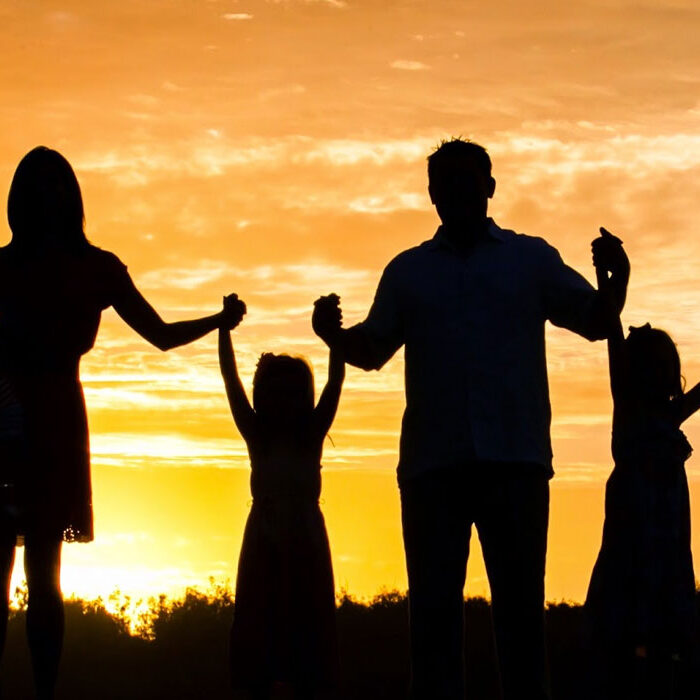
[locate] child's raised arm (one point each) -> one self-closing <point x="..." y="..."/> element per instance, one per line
<point x="241" y="410"/>
<point x="688" y="403"/>
<point x="616" y="338"/>
<point x="325" y="410"/>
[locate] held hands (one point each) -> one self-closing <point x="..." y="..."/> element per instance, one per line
<point x="609" y="255"/>
<point x="233" y="312"/>
<point x="327" y="318"/>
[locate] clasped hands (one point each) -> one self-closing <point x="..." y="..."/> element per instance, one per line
<point x="327" y="318"/>
<point x="234" y="309"/>
<point x="609" y="255"/>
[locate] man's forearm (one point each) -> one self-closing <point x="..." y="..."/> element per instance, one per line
<point x="358" y="349"/>
<point x="604" y="318"/>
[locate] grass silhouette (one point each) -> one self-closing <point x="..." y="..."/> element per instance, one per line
<point x="180" y="650"/>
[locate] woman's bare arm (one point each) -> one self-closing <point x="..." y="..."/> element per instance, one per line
<point x="145" y="320"/>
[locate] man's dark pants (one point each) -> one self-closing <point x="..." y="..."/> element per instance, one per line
<point x="509" y="505"/>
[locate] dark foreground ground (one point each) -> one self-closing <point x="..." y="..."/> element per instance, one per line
<point x="186" y="654"/>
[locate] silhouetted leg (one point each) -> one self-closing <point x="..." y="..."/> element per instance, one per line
<point x="436" y="539"/>
<point x="512" y="521"/>
<point x="654" y="678"/>
<point x="7" y="560"/>
<point x="42" y="565"/>
<point x="612" y="672"/>
<point x="301" y="691"/>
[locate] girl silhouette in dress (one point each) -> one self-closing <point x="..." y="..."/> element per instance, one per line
<point x="284" y="622"/>
<point x="641" y="598"/>
<point x="54" y="285"/>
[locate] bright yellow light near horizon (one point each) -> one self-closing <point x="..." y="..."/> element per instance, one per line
<point x="230" y="164"/>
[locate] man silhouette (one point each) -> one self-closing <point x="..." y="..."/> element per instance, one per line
<point x="470" y="306"/>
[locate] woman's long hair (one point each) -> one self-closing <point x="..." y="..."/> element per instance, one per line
<point x="45" y="200"/>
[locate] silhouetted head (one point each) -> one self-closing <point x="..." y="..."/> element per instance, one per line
<point x="460" y="182"/>
<point x="283" y="389"/>
<point x="45" y="201"/>
<point x="654" y="364"/>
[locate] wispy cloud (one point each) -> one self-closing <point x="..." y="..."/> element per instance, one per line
<point x="330" y="3"/>
<point x="383" y="204"/>
<point x="284" y="91"/>
<point x="237" y="16"/>
<point x="401" y="64"/>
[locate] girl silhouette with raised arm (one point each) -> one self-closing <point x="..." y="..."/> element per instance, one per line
<point x="284" y="622"/>
<point x="54" y="285"/>
<point x="641" y="598"/>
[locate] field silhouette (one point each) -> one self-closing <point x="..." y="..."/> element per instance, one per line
<point x="181" y="650"/>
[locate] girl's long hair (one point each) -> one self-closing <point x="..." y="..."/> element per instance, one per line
<point x="643" y="345"/>
<point x="45" y="198"/>
<point x="290" y="369"/>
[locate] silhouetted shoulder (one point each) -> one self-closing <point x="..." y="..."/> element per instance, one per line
<point x="410" y="258"/>
<point x="535" y="252"/>
<point x="107" y="267"/>
<point x="529" y="245"/>
<point x="410" y="255"/>
<point x="106" y="260"/>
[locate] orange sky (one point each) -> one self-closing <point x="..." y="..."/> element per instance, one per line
<point x="277" y="149"/>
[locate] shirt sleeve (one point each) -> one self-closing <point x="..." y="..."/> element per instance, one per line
<point x="569" y="299"/>
<point x="384" y="325"/>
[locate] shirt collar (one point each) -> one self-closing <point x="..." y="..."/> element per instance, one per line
<point x="493" y="231"/>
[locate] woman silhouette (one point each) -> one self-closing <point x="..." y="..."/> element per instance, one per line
<point x="53" y="286"/>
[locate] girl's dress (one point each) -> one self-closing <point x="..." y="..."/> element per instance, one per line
<point x="284" y="621"/>
<point x="49" y="314"/>
<point x="642" y="591"/>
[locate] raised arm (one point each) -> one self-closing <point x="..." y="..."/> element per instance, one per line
<point x="241" y="410"/>
<point x="370" y="344"/>
<point x="613" y="269"/>
<point x="325" y="410"/>
<point x="688" y="403"/>
<point x="144" y="319"/>
<point x="354" y="346"/>
<point x="609" y="310"/>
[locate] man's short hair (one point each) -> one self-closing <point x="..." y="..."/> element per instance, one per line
<point x="455" y="150"/>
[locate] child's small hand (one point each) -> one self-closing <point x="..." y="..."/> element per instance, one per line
<point x="327" y="318"/>
<point x="233" y="311"/>
<point x="608" y="253"/>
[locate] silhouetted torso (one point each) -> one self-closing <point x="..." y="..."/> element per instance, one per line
<point x="50" y="308"/>
<point x="642" y="591"/>
<point x="473" y="329"/>
<point x="284" y="624"/>
<point x="285" y="465"/>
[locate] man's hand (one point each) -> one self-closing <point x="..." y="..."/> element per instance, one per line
<point x="233" y="312"/>
<point x="327" y="318"/>
<point x="609" y="255"/>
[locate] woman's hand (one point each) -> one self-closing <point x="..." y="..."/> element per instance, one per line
<point x="233" y="312"/>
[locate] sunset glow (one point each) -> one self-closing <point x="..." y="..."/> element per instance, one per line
<point x="277" y="149"/>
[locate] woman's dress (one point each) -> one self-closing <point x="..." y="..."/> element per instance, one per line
<point x="50" y="310"/>
<point x="284" y="620"/>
